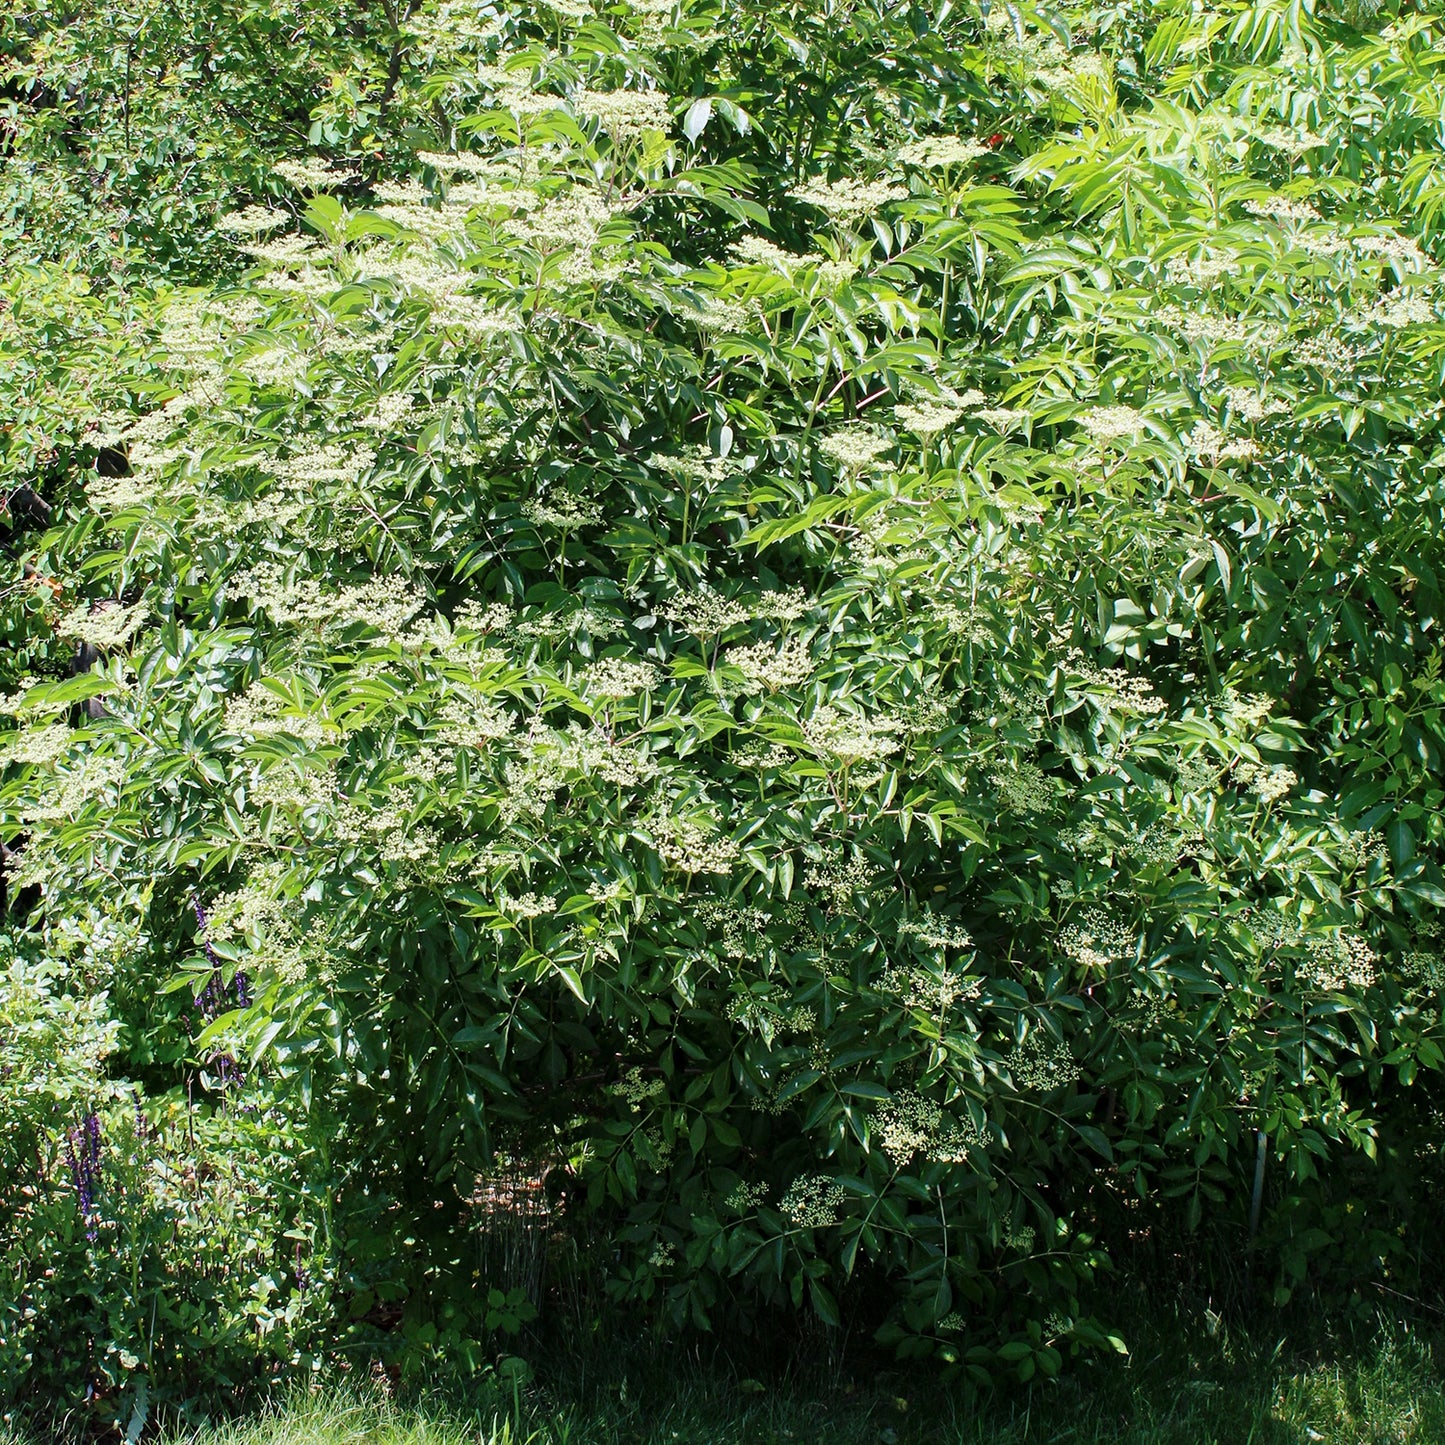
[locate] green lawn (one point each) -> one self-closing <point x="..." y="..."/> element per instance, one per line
<point x="1198" y="1389"/>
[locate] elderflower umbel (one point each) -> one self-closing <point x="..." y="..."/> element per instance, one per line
<point x="625" y="113"/>
<point x="773" y="668"/>
<point x="1097" y="940"/>
<point x="1282" y="208"/>
<point x="563" y="511"/>
<point x="104" y="625"/>
<point x="1335" y="964"/>
<point x="759" y="251"/>
<point x="705" y="612"/>
<point x="934" y="931"/>
<point x="927" y="418"/>
<point x="1207" y="442"/>
<point x="253" y="221"/>
<point x="41" y="746"/>
<point x="1024" y="789"/>
<point x="850" y="737"/>
<point x="848" y="200"/>
<point x="1003" y="419"/>
<point x="812" y="1201"/>
<point x="313" y="175"/>
<point x="525" y="906"/>
<point x="840" y="878"/>
<point x="1112" y="423"/>
<point x="1396" y="310"/>
<point x="1247" y="404"/>
<point x="909" y="1124"/>
<point x="1126" y="694"/>
<point x="856" y="447"/>
<point x="619" y="677"/>
<point x="743" y="1197"/>
<point x="938" y="152"/>
<point x="932" y="990"/>
<point x="1291" y="142"/>
<point x="1267" y="782"/>
<point x="634" y="1089"/>
<point x="1042" y="1063"/>
<point x="693" y="847"/>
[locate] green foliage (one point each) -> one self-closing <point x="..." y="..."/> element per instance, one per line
<point x="191" y="1246"/>
<point x="852" y="661"/>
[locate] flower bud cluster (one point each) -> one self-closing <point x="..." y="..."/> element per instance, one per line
<point x="1042" y="1063"/>
<point x="635" y="1090"/>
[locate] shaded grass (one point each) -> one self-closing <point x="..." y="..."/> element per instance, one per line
<point x="1197" y="1387"/>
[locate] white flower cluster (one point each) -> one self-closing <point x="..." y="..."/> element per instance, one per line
<point x="934" y="931"/>
<point x="1327" y="352"/>
<point x="1247" y="404"/>
<point x="1398" y="309"/>
<point x="733" y="927"/>
<point x="40" y="745"/>
<point x="253" y="221"/>
<point x="317" y="465"/>
<point x="106" y="626"/>
<point x="759" y="251"/>
<point x="1246" y="711"/>
<point x="313" y="175"/>
<point x="524" y="907"/>
<point x="850" y="737"/>
<point x="934" y="991"/>
<point x="705" y="612"/>
<point x="812" y="1201"/>
<point x="840" y="878"/>
<point x="849" y="200"/>
<point x="1098" y="940"/>
<point x="1360" y="849"/>
<point x="910" y="1123"/>
<point x="1203" y="268"/>
<point x="1020" y="1237"/>
<point x="1112" y="423"/>
<point x="1215" y="329"/>
<point x="743" y="1197"/>
<point x="773" y="668"/>
<point x="1269" y="782"/>
<point x="562" y="510"/>
<point x="1126" y="693"/>
<point x="262" y="712"/>
<point x="855" y="447"/>
<point x="614" y="678"/>
<point x="383" y="603"/>
<point x="625" y="113"/>
<point x="1291" y="142"/>
<point x="1043" y="1063"/>
<point x="926" y="419"/>
<point x="938" y="152"/>
<point x="1401" y="251"/>
<point x="1207" y="442"/>
<point x="1282" y="208"/>
<point x="693" y="845"/>
<point x="1425" y="967"/>
<point x="1342" y="962"/>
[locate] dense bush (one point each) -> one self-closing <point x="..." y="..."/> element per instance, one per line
<point x="827" y="619"/>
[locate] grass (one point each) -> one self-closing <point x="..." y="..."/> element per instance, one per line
<point x="1199" y="1387"/>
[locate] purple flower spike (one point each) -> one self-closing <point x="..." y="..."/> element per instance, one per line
<point x="82" y="1158"/>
